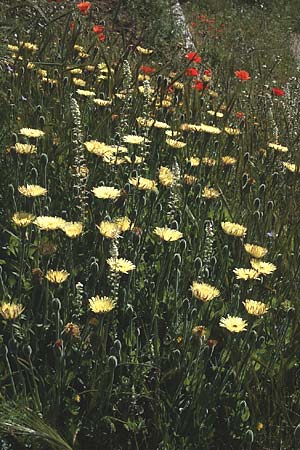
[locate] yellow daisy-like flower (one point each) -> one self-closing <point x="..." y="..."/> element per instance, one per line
<point x="232" y="131"/>
<point x="101" y="305"/>
<point x="98" y="148"/>
<point x="106" y="192"/>
<point x="189" y="127"/>
<point x="123" y="223"/>
<point x="76" y="71"/>
<point x="148" y="123"/>
<point x="10" y="311"/>
<point x="210" y="193"/>
<point x="135" y="140"/>
<point x="31" y="132"/>
<point x="178" y="85"/>
<point x="85" y="93"/>
<point x="291" y="167"/>
<point x="73" y="229"/>
<point x="172" y="133"/>
<point x="168" y="234"/>
<point x="57" y="276"/>
<point x="110" y="230"/>
<point x="256" y="250"/>
<point x="101" y="102"/>
<point x="189" y="179"/>
<point x="209" y="129"/>
<point x="234" y="229"/>
<point x="166" y="176"/>
<point x="120" y="265"/>
<point x="23" y="219"/>
<point x="209" y="162"/>
<point x="255" y="308"/>
<point x="144" y="184"/>
<point x="228" y="160"/>
<point x="246" y="274"/>
<point x="175" y="144"/>
<point x="204" y="292"/>
<point x="194" y="161"/>
<point x="278" y="147"/>
<point x="233" y="324"/>
<point x="50" y="223"/>
<point x="144" y="51"/>
<point x="32" y="190"/>
<point x="216" y="114"/>
<point x="29" y="46"/>
<point x="265" y="268"/>
<point x="79" y="82"/>
<point x="25" y="149"/>
<point x="12" y="48"/>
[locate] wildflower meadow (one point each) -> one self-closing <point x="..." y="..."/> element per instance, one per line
<point x="149" y="226"/>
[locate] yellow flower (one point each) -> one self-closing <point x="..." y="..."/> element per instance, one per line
<point x="10" y="311"/>
<point x="209" y="129"/>
<point x="189" y="127"/>
<point x="232" y="131"/>
<point x="234" y="229"/>
<point x="216" y="114"/>
<point x="101" y="102"/>
<point x="246" y="274"/>
<point x="194" y="161"/>
<point x="135" y="140"/>
<point x="259" y="426"/>
<point x="79" y="82"/>
<point x="144" y="51"/>
<point x="210" y="193"/>
<point x="72" y="229"/>
<point x="85" y="93"/>
<point x="29" y="46"/>
<point x="57" y="276"/>
<point x="178" y="85"/>
<point x="101" y="305"/>
<point x="255" y="250"/>
<point x="228" y="160"/>
<point x="233" y="324"/>
<point x="31" y="132"/>
<point x="278" y="147"/>
<point x="204" y="292"/>
<point x="265" y="268"/>
<point x="23" y="219"/>
<point x="175" y="144"/>
<point x="172" y="133"/>
<point x="76" y="71"/>
<point x="50" y="223"/>
<point x="291" y="167"/>
<point x="108" y="229"/>
<point x="120" y="265"/>
<point x="32" y="190"/>
<point x="166" y="176"/>
<point x="106" y="192"/>
<point x="168" y="234"/>
<point x="255" y="308"/>
<point x="199" y="331"/>
<point x="123" y="223"/>
<point x="210" y="162"/>
<point x="12" y="48"/>
<point x="99" y="148"/>
<point x="72" y="329"/>
<point x="189" y="179"/>
<point x="25" y="149"/>
<point x="144" y="184"/>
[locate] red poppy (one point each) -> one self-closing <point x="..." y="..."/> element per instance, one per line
<point x="243" y="75"/>
<point x="147" y="69"/>
<point x="207" y="72"/>
<point x="193" y="56"/>
<point x="191" y="72"/>
<point x="198" y="85"/>
<point x="277" y="92"/>
<point x="101" y="37"/>
<point x="84" y="7"/>
<point x="239" y="115"/>
<point x="98" y="29"/>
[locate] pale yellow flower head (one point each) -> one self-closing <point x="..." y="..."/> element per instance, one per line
<point x="32" y="190"/>
<point x="246" y="274"/>
<point x="57" y="276"/>
<point x="175" y="144"/>
<point x="233" y="324"/>
<point x="189" y="179"/>
<point x="265" y="268"/>
<point x="10" y="311"/>
<point x="101" y="305"/>
<point x="232" y="131"/>
<point x="72" y="229"/>
<point x="79" y="82"/>
<point x="210" y="193"/>
<point x="123" y="223"/>
<point x="23" y="219"/>
<point x="234" y="229"/>
<point x="166" y="176"/>
<point x="85" y="93"/>
<point x="120" y="265"/>
<point x="106" y="192"/>
<point x="210" y="129"/>
<point x="256" y="251"/>
<point x="144" y="51"/>
<point x="144" y="184"/>
<point x="215" y="114"/>
<point x="168" y="234"/>
<point x="101" y="102"/>
<point x="110" y="230"/>
<point x="291" y="167"/>
<point x="278" y="147"/>
<point x="25" y="149"/>
<point x="31" y="132"/>
<point x="204" y="292"/>
<point x="194" y="161"/>
<point x="135" y="140"/>
<point x="255" y="307"/>
<point x="228" y="160"/>
<point x="50" y="223"/>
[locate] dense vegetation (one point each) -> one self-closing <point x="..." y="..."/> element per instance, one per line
<point x="149" y="227"/>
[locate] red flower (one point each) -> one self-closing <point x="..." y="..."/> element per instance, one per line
<point x="72" y="25"/>
<point x="198" y="85"/>
<point x="207" y="72"/>
<point x="101" y="37"/>
<point x="147" y="69"/>
<point x="191" y="72"/>
<point x="277" y="92"/>
<point x="193" y="56"/>
<point x="239" y="115"/>
<point x="98" y="29"/>
<point x="243" y="75"/>
<point x="84" y="7"/>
